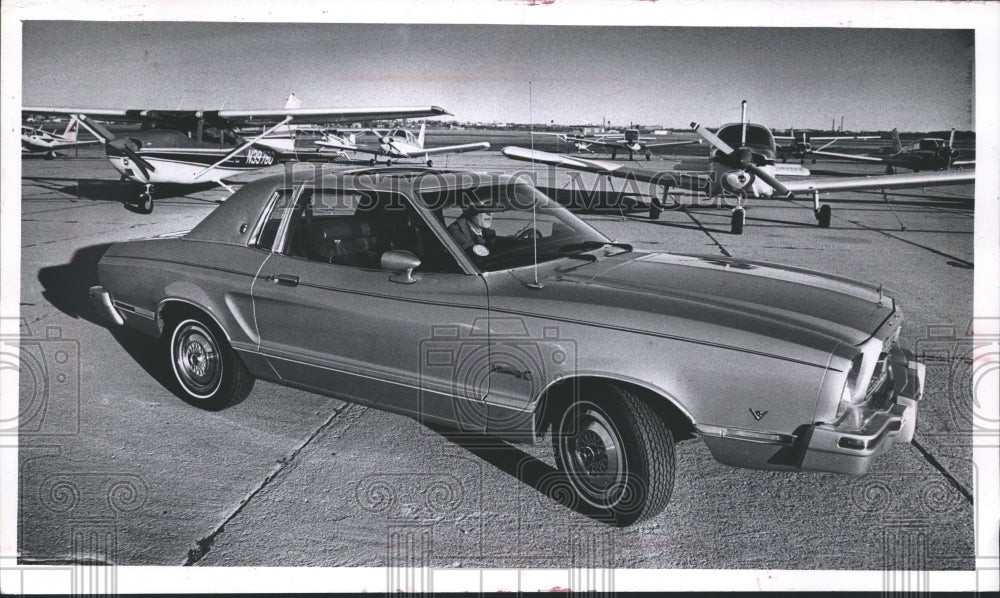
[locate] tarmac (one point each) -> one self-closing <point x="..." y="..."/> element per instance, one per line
<point x="110" y="455"/>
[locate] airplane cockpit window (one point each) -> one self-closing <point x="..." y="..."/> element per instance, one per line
<point x="931" y="144"/>
<point x="756" y="136"/>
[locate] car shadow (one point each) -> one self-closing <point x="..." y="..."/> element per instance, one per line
<point x="67" y="288"/>
<point x="525" y="468"/>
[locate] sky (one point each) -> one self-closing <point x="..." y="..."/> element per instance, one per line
<point x="876" y="79"/>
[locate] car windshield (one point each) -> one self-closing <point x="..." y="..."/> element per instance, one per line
<point x="504" y="224"/>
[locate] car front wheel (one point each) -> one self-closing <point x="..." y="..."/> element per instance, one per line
<point x="209" y="373"/>
<point x="617" y="453"/>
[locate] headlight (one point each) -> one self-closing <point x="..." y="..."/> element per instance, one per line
<point x="868" y="370"/>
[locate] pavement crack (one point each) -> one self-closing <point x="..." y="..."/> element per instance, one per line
<point x="204" y="545"/>
<point x="724" y="251"/>
<point x="942" y="470"/>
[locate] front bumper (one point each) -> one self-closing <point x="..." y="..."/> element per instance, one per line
<point x="851" y="444"/>
<point x="102" y="303"/>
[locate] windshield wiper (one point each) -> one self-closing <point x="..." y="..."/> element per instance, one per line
<point x="588" y="245"/>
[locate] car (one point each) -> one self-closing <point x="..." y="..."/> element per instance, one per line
<point x="527" y="324"/>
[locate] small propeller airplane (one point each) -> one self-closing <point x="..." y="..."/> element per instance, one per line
<point x="630" y="141"/>
<point x="400" y="143"/>
<point x="190" y="147"/>
<point x="579" y="143"/>
<point x="743" y="171"/>
<point x="35" y="140"/>
<point x="802" y="149"/>
<point x="927" y="153"/>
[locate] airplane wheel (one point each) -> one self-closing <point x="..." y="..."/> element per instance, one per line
<point x="736" y="221"/>
<point x="613" y="155"/>
<point x="784" y="160"/>
<point x="388" y="162"/>
<point x="649" y="157"/>
<point x="371" y="162"/>
<point x="890" y="170"/>
<point x="146" y="203"/>
<point x="655" y="209"/>
<point x="814" y="160"/>
<point x="824" y="216"/>
<point x="430" y="163"/>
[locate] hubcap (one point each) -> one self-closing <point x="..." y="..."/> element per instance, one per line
<point x="593" y="455"/>
<point x="196" y="359"/>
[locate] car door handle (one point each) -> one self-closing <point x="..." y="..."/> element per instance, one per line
<point x="285" y="279"/>
<point x="506" y="369"/>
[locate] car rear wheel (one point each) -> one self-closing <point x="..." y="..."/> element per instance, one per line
<point x="617" y="453"/>
<point x="209" y="373"/>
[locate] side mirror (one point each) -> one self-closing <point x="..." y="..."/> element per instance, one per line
<point x="402" y="263"/>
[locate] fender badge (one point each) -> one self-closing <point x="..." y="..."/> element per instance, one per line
<point x="480" y="250"/>
<point x="758" y="415"/>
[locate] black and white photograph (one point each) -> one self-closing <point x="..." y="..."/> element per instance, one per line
<point x="500" y="296"/>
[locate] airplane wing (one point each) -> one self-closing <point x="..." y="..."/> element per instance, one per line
<point x="346" y="148"/>
<point x="666" y="143"/>
<point x="893" y="181"/>
<point x="452" y="149"/>
<point x="615" y="169"/>
<point x="298" y="115"/>
<point x="855" y="157"/>
<point x="889" y="181"/>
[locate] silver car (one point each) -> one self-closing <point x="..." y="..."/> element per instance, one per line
<point x="390" y="289"/>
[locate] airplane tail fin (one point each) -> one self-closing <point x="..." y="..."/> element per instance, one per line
<point x="352" y="139"/>
<point x="71" y="129"/>
<point x="420" y="137"/>
<point x="293" y="102"/>
<point x="897" y="145"/>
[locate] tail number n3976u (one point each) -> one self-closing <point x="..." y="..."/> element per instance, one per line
<point x="259" y="157"/>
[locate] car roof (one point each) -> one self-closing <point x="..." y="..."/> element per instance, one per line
<point x="234" y="221"/>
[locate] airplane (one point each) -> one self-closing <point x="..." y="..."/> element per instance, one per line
<point x="629" y="141"/>
<point x="580" y="144"/>
<point x="745" y="170"/>
<point x="927" y="153"/>
<point x="189" y="147"/>
<point x="35" y="140"/>
<point x="400" y="143"/>
<point x="801" y="148"/>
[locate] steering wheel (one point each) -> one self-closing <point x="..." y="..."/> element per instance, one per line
<point x="529" y="232"/>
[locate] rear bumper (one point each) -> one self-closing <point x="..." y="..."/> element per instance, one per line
<point x="849" y="445"/>
<point x="102" y="303"/>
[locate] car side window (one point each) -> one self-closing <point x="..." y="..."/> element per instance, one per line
<point x="405" y="230"/>
<point x="267" y="232"/>
<point x="354" y="229"/>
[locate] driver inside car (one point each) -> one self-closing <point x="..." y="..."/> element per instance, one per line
<point x="473" y="227"/>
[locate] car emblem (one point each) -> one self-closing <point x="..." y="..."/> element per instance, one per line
<point x="758" y="415"/>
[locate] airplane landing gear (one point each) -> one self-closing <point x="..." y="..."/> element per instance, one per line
<point x="430" y="163"/>
<point x="649" y="156"/>
<point x="890" y="169"/>
<point x="736" y="220"/>
<point x="822" y="212"/>
<point x="388" y="162"/>
<point x="146" y="200"/>
<point x="656" y="206"/>
<point x="372" y="162"/>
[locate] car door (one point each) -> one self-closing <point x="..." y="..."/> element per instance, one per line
<point x="331" y="320"/>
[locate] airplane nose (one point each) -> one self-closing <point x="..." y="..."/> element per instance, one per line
<point x="737" y="180"/>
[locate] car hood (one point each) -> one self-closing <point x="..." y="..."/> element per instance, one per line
<point x="735" y="302"/>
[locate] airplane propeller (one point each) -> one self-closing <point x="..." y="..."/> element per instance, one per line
<point x="743" y="159"/>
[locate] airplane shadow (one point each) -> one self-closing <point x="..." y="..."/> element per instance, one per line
<point x="123" y="192"/>
<point x="525" y="468"/>
<point x="67" y="288"/>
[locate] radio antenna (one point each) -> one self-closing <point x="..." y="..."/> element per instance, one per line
<point x="534" y="222"/>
